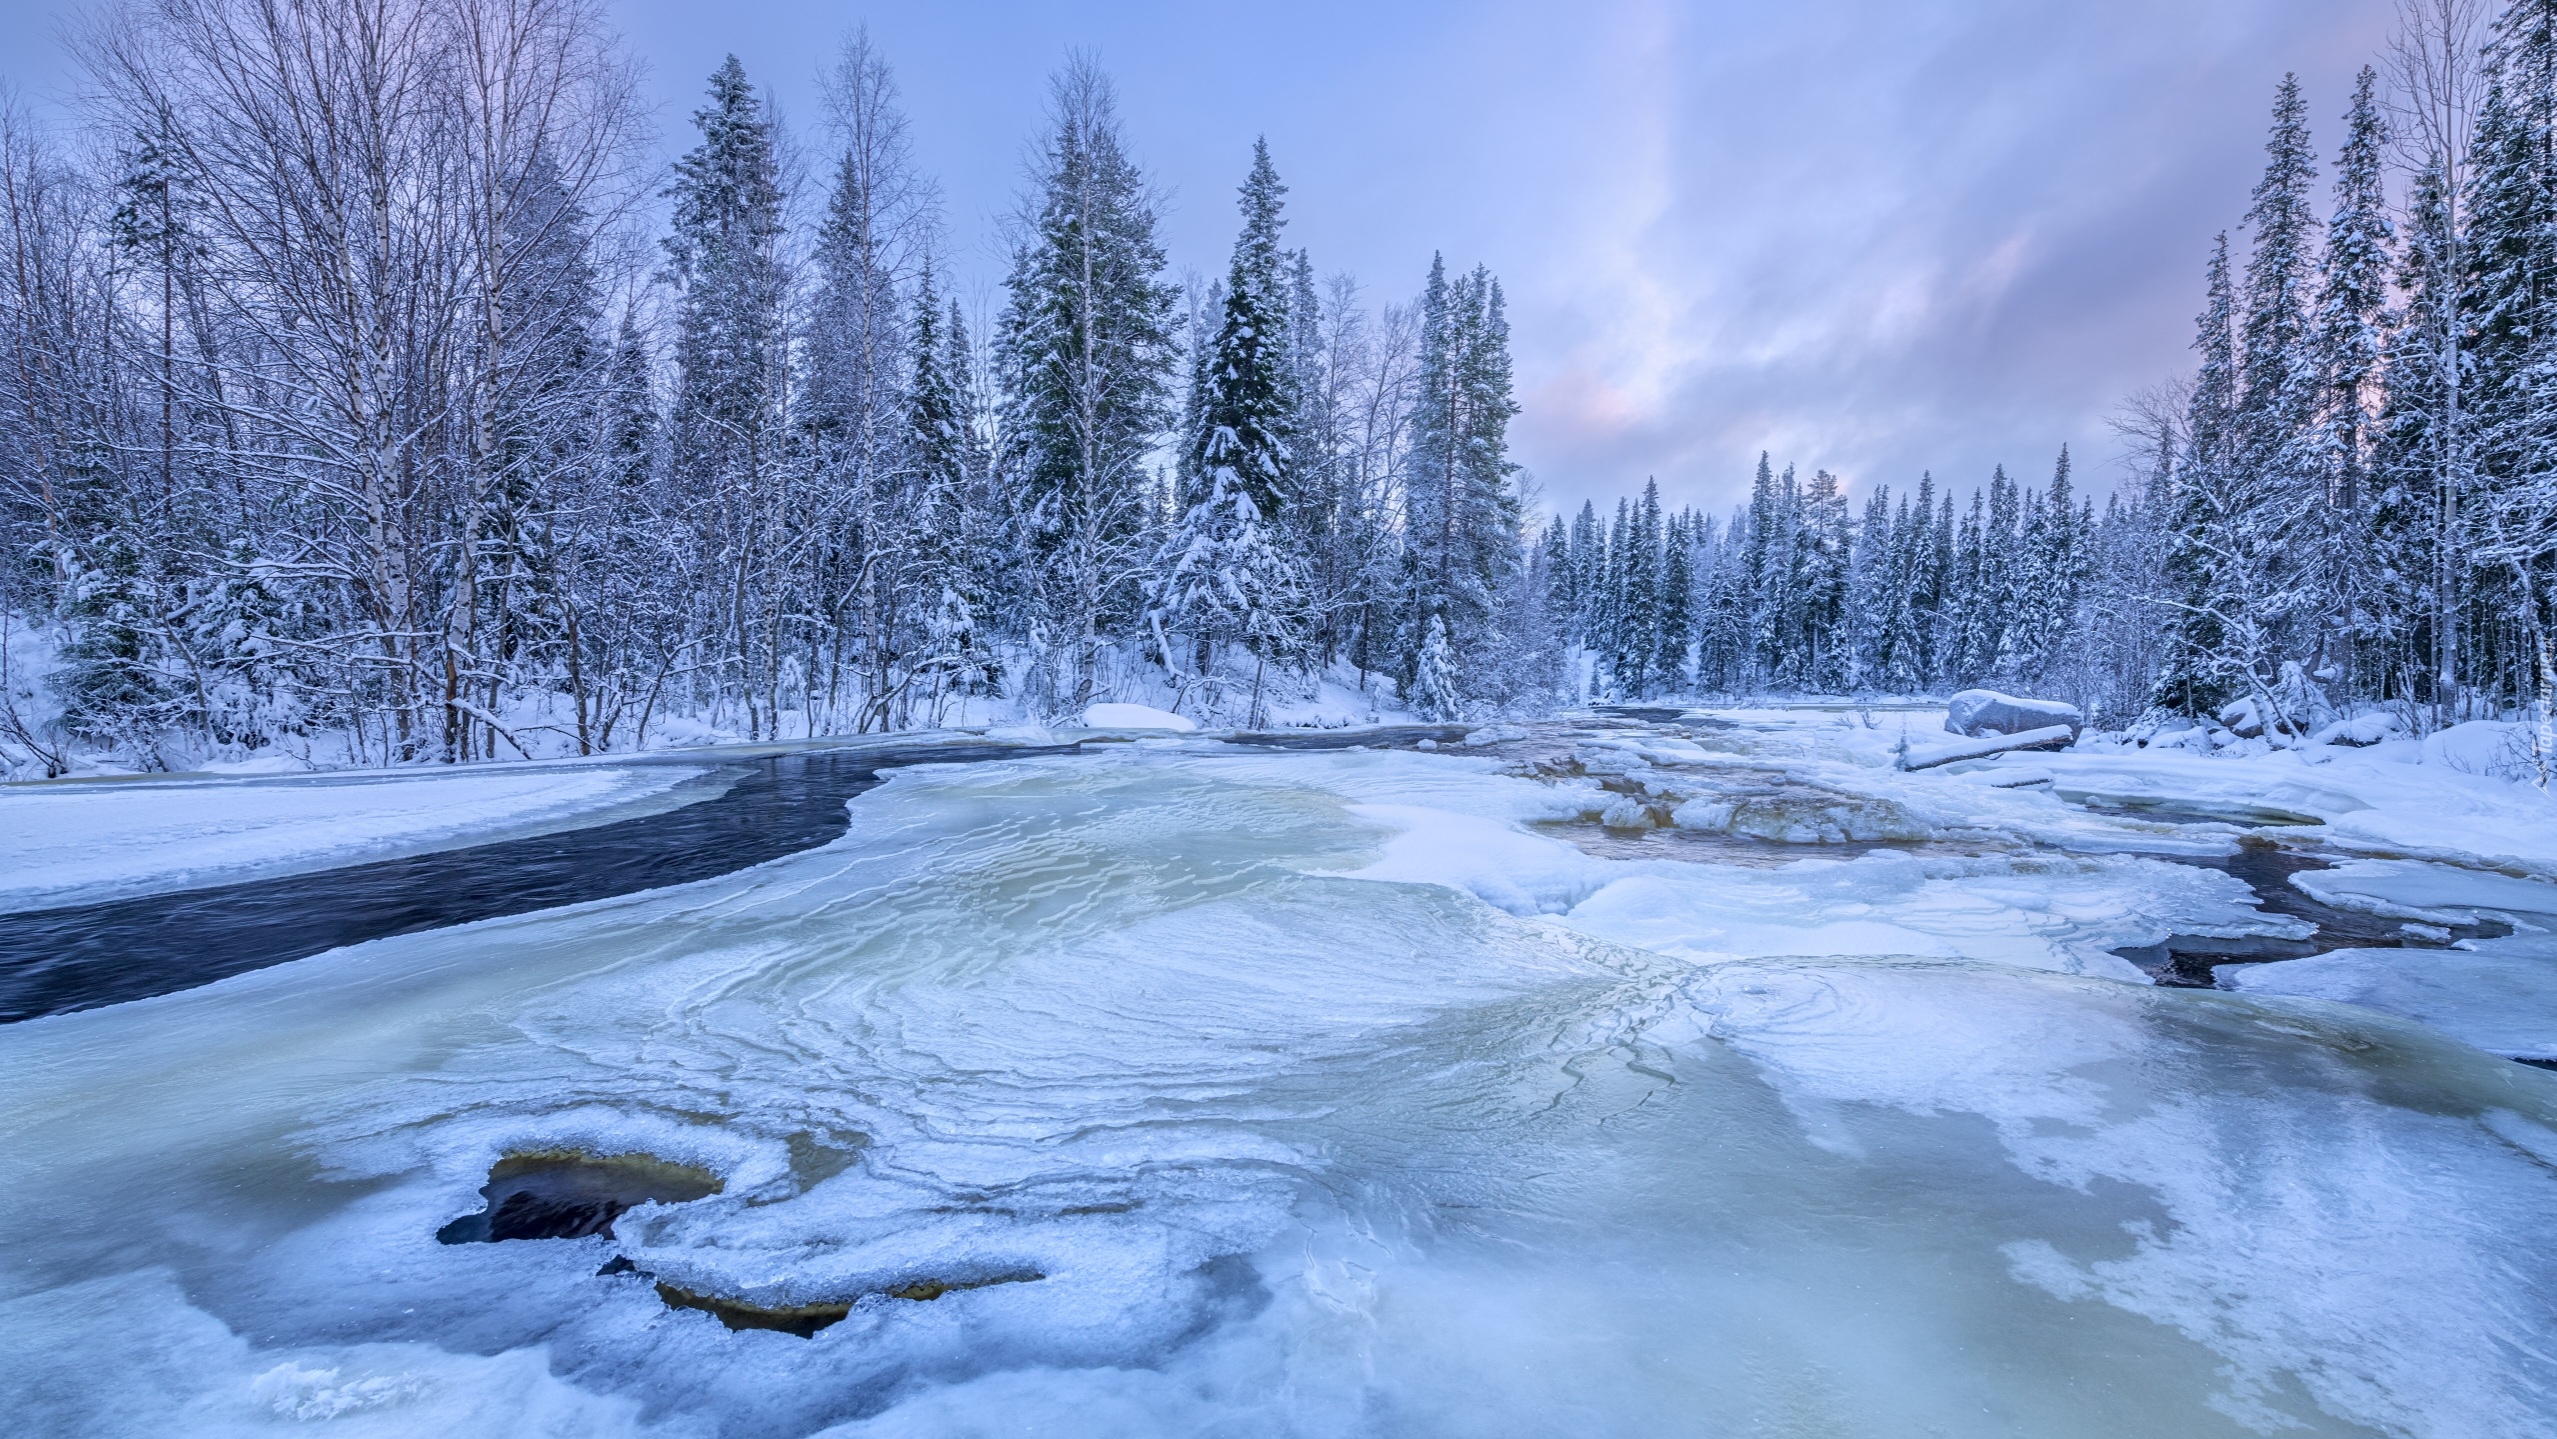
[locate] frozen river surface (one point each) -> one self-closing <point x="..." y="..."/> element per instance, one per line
<point x="1182" y="1090"/>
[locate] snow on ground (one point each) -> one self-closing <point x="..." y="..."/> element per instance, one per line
<point x="1341" y="1093"/>
<point x="2433" y="798"/>
<point x="2453" y="797"/>
<point x="81" y="842"/>
<point x="1146" y="717"/>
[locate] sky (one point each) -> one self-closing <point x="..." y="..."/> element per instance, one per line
<point x="1877" y="238"/>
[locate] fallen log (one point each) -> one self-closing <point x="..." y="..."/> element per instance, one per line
<point x="2048" y="737"/>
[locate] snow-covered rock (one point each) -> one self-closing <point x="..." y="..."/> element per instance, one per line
<point x="1977" y="713"/>
<point x="2366" y="728"/>
<point x="1127" y="716"/>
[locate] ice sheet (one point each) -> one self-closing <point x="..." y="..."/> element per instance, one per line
<point x="2499" y="994"/>
<point x="2429" y="893"/>
<point x="1328" y="1098"/>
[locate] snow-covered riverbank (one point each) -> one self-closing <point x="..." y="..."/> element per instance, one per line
<point x="1352" y="1092"/>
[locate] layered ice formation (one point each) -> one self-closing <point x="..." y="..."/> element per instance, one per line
<point x="1177" y="1090"/>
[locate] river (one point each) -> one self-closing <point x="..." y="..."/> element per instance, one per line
<point x="1188" y="1087"/>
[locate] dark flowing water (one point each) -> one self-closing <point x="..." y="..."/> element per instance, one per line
<point x="2186" y="961"/>
<point x="53" y="961"/>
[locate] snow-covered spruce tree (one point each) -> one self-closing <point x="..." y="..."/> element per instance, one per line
<point x="2239" y="525"/>
<point x="1462" y="512"/>
<point x="2500" y="526"/>
<point x="1227" y="572"/>
<point x="1086" y="350"/>
<point x="1725" y="659"/>
<point x="1635" y="641"/>
<point x="1223" y="576"/>
<point x="1971" y="600"/>
<point x="1903" y="664"/>
<point x="1766" y="576"/>
<point x="2056" y="566"/>
<point x="2190" y="680"/>
<point x="1323" y="516"/>
<point x="957" y="522"/>
<point x="2502" y="311"/>
<point x="642" y="614"/>
<point x="1559" y="576"/>
<point x="1436" y="692"/>
<point x="2274" y="489"/>
<point x="1588" y="553"/>
<point x="2002" y="578"/>
<point x="1821" y="553"/>
<point x="2420" y="451"/>
<point x="1873" y="597"/>
<point x="731" y="366"/>
<point x="2350" y="339"/>
<point x="1201" y="308"/>
<point x="1674" y="631"/>
<point x="1607" y="616"/>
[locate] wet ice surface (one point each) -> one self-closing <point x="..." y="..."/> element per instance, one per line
<point x="1325" y="1093"/>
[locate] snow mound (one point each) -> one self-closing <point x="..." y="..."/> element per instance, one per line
<point x="1126" y="716"/>
<point x="2366" y="728"/>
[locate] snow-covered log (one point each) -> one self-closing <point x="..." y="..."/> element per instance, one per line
<point x="2056" y="736"/>
<point x="1978" y="713"/>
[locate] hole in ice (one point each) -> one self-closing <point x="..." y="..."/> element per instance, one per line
<point x="806" y="1319"/>
<point x="563" y="1194"/>
<point x="2186" y="961"/>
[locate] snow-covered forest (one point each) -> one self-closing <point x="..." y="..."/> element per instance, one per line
<point x="351" y="405"/>
<point x="371" y="395"/>
<point x="2352" y="503"/>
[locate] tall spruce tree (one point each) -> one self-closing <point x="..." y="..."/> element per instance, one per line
<point x="2351" y="336"/>
<point x="2190" y="680"/>
<point x="1087" y="350"/>
<point x="1462" y="508"/>
<point x="1227" y="570"/>
<point x="731" y="355"/>
<point x="1674" y="627"/>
